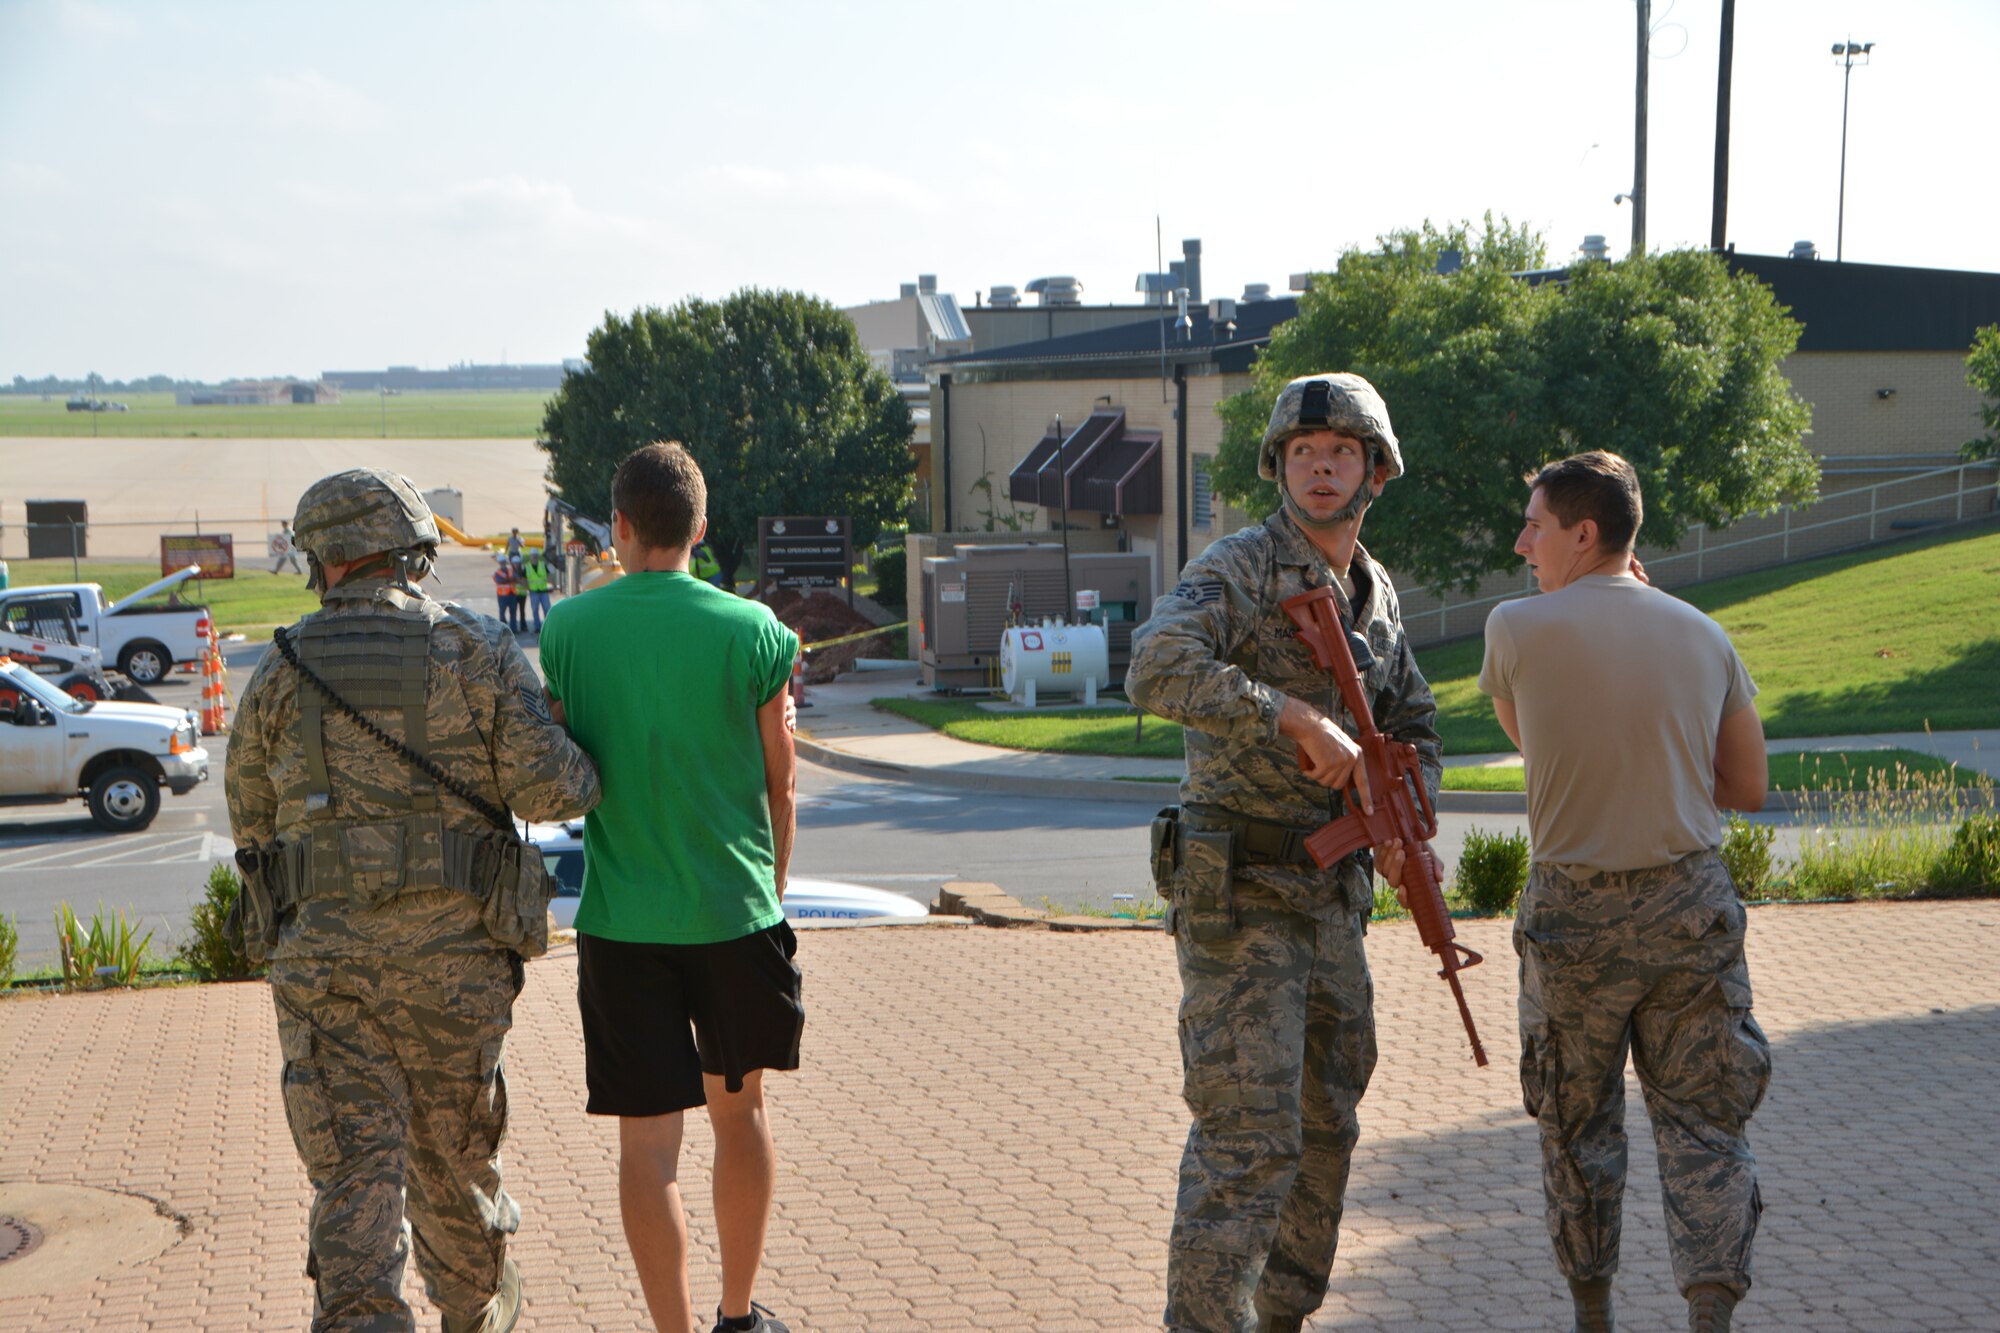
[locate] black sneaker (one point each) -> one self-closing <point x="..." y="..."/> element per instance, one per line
<point x="764" y="1324"/>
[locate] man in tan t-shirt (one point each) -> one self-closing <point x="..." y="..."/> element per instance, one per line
<point x="1633" y="714"/>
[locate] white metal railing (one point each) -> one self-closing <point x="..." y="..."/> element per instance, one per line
<point x="1703" y="550"/>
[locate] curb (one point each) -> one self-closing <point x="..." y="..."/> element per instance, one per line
<point x="990" y="905"/>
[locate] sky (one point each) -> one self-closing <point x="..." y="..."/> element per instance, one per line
<point x="220" y="190"/>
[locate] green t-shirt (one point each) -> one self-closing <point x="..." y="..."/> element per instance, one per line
<point x="661" y="676"/>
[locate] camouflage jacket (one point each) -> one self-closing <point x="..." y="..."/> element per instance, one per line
<point x="1219" y="656"/>
<point x="488" y="727"/>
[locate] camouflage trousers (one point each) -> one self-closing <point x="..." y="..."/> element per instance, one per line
<point x="1649" y="961"/>
<point x="397" y="1101"/>
<point x="1277" y="1031"/>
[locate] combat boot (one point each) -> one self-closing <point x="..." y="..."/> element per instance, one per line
<point x="1593" y="1304"/>
<point x="500" y="1314"/>
<point x="1277" y="1323"/>
<point x="1709" y="1308"/>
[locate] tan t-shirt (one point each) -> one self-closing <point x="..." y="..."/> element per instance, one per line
<point x="1619" y="691"/>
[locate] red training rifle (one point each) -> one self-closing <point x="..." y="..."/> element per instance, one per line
<point x="1403" y="807"/>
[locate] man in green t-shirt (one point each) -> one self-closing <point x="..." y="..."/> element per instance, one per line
<point x="685" y="975"/>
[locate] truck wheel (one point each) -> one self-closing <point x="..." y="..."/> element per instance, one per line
<point x="124" y="800"/>
<point x="146" y="662"/>
<point x="81" y="687"/>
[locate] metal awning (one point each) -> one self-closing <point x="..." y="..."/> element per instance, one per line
<point x="1109" y="469"/>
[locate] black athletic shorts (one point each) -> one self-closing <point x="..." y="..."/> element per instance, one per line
<point x="656" y="1017"/>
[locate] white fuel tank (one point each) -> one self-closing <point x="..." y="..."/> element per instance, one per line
<point x="1054" y="659"/>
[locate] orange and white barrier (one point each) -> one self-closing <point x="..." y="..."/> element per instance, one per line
<point x="214" y="688"/>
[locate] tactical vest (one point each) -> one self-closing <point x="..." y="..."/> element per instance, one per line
<point x="379" y="663"/>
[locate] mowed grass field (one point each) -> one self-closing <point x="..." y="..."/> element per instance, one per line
<point x="488" y="415"/>
<point x="1896" y="638"/>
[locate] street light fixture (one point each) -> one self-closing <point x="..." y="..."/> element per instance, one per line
<point x="1846" y="52"/>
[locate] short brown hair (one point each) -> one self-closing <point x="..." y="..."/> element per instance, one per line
<point x="1598" y="486"/>
<point x="660" y="491"/>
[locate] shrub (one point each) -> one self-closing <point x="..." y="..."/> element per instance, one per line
<point x="206" y="952"/>
<point x="10" y="948"/>
<point x="1971" y="863"/>
<point x="101" y="953"/>
<point x="1492" y="871"/>
<point x="1881" y="842"/>
<point x="1746" y="854"/>
<point x="892" y="578"/>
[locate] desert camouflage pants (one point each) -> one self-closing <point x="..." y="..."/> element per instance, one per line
<point x="1277" y="1032"/>
<point x="396" y="1100"/>
<point x="1650" y="961"/>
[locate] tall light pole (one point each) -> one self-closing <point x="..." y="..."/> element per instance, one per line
<point x="1846" y="52"/>
<point x="1638" y="195"/>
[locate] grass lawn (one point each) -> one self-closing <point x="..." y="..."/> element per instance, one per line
<point x="494" y="414"/>
<point x="1085" y="731"/>
<point x="254" y="600"/>
<point x="1819" y="770"/>
<point x="1894" y="638"/>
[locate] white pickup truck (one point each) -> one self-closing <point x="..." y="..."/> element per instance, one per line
<point x="117" y="756"/>
<point x="143" y="641"/>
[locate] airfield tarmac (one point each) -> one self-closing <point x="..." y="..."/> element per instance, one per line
<point x="138" y="489"/>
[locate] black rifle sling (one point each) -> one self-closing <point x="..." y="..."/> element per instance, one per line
<point x="498" y="816"/>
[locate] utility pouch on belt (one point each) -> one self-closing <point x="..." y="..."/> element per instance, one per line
<point x="517" y="905"/>
<point x="1166" y="856"/>
<point x="1204" y="886"/>
<point x="252" y="924"/>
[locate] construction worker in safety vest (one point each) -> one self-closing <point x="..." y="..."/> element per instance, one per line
<point x="535" y="574"/>
<point x="704" y="566"/>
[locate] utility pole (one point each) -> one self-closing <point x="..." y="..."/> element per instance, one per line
<point x="1645" y="10"/>
<point x="1718" y="227"/>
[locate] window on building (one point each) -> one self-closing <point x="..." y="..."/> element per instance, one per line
<point x="1203" y="506"/>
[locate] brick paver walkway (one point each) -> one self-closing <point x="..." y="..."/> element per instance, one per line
<point x="986" y="1131"/>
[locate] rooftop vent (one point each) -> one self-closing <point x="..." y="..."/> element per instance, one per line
<point x="1804" y="250"/>
<point x="1062" y="290"/>
<point x="1256" y="291"/>
<point x="1302" y="282"/>
<point x="1594" y="247"/>
<point x="1156" y="288"/>
<point x="909" y="290"/>
<point x="1003" y="298"/>
<point x="927" y="283"/>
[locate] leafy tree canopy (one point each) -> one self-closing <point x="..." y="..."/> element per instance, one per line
<point x="771" y="392"/>
<point x="1668" y="361"/>
<point x="1982" y="372"/>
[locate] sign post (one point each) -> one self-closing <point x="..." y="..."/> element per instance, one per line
<point x="805" y="553"/>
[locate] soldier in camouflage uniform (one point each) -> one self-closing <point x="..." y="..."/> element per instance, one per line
<point x="393" y="909"/>
<point x="1636" y="719"/>
<point x="1276" y="1022"/>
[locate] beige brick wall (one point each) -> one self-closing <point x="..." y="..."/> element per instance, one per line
<point x="1932" y="412"/>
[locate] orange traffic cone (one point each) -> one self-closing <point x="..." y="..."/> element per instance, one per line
<point x="799" y="682"/>
<point x="214" y="690"/>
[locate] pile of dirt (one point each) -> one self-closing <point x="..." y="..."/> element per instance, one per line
<point x="818" y="616"/>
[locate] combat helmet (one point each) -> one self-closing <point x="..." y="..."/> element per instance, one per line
<point x="1342" y="402"/>
<point x="360" y="512"/>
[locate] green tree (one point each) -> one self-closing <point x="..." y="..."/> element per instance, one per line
<point x="1668" y="361"/>
<point x="771" y="392"/>
<point x="1982" y="372"/>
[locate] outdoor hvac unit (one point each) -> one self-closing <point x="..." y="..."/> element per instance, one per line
<point x="964" y="605"/>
